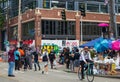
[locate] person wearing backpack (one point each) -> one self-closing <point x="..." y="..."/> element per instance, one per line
<point x="17" y="59"/>
<point x="45" y="62"/>
<point x="76" y="60"/>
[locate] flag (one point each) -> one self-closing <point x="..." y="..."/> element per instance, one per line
<point x="106" y="2"/>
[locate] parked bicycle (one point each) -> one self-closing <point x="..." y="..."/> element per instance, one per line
<point x="88" y="72"/>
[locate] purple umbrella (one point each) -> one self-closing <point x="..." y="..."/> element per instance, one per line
<point x="103" y="25"/>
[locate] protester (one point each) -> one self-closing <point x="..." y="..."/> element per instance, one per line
<point x="28" y="59"/>
<point x="52" y="58"/>
<point x="76" y="60"/>
<point x="61" y="60"/>
<point x="72" y="59"/>
<point x="17" y="59"/>
<point x="36" y="62"/>
<point x="66" y="56"/>
<point x="22" y="57"/>
<point x="45" y="62"/>
<point x="11" y="61"/>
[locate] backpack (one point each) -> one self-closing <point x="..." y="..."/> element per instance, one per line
<point x="45" y="58"/>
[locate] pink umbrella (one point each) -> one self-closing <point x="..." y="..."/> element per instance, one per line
<point x="116" y="45"/>
<point x="103" y="25"/>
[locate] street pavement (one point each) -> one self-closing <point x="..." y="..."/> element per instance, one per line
<point x="53" y="76"/>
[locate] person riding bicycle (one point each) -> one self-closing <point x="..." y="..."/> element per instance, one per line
<point x="84" y="59"/>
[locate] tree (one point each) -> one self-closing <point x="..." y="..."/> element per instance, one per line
<point x="1" y="19"/>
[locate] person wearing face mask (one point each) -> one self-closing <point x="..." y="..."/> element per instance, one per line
<point x="85" y="57"/>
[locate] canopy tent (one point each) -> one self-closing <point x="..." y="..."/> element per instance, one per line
<point x="91" y="43"/>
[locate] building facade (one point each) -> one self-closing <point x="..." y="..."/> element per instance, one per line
<point x="41" y="19"/>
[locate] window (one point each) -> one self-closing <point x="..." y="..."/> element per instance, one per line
<point x="60" y="4"/>
<point x="118" y="1"/>
<point x="97" y="0"/>
<point x="80" y="5"/>
<point x="118" y="26"/>
<point x="118" y="9"/>
<point x="50" y="27"/>
<point x="70" y="5"/>
<point x="104" y="8"/>
<point x="90" y="30"/>
<point x="28" y="30"/>
<point x="32" y="5"/>
<point x="46" y="3"/>
<point x="93" y="7"/>
<point x="13" y="33"/>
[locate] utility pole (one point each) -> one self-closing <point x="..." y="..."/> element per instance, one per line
<point x="113" y="25"/>
<point x="19" y="23"/>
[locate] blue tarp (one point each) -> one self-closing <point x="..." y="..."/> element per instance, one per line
<point x="91" y="43"/>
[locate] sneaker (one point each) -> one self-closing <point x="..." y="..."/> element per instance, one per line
<point x="42" y="72"/>
<point x="11" y="75"/>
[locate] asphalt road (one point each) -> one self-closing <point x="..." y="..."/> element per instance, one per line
<point x="52" y="76"/>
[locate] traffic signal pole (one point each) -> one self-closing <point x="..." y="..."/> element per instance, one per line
<point x="81" y="30"/>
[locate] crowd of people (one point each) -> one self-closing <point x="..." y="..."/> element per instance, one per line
<point x="24" y="57"/>
<point x="76" y="57"/>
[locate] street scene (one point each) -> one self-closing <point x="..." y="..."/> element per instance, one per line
<point x="59" y="40"/>
<point x="54" y="76"/>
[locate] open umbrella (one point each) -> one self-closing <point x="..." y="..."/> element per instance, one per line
<point x="103" y="25"/>
<point x="116" y="45"/>
<point x="102" y="45"/>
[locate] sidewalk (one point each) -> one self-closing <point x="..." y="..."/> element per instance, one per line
<point x="7" y="79"/>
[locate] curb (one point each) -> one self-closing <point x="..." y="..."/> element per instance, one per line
<point x="109" y="76"/>
<point x="106" y="76"/>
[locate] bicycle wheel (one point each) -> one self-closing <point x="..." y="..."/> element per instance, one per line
<point x="90" y="75"/>
<point x="79" y="73"/>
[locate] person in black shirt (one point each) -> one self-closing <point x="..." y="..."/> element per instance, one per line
<point x="36" y="62"/>
<point x="76" y="60"/>
<point x="52" y="58"/>
<point x="67" y="58"/>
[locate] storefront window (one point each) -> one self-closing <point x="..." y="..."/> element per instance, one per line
<point x="93" y="7"/>
<point x="13" y="33"/>
<point x="70" y="5"/>
<point x="90" y="30"/>
<point x="28" y="30"/>
<point x="104" y="8"/>
<point x="50" y="27"/>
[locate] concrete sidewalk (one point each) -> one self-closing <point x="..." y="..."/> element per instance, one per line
<point x="7" y="79"/>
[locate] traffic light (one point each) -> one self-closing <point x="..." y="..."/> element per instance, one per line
<point x="82" y="9"/>
<point x="63" y="14"/>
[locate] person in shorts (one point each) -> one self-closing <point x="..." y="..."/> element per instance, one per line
<point x="45" y="62"/>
